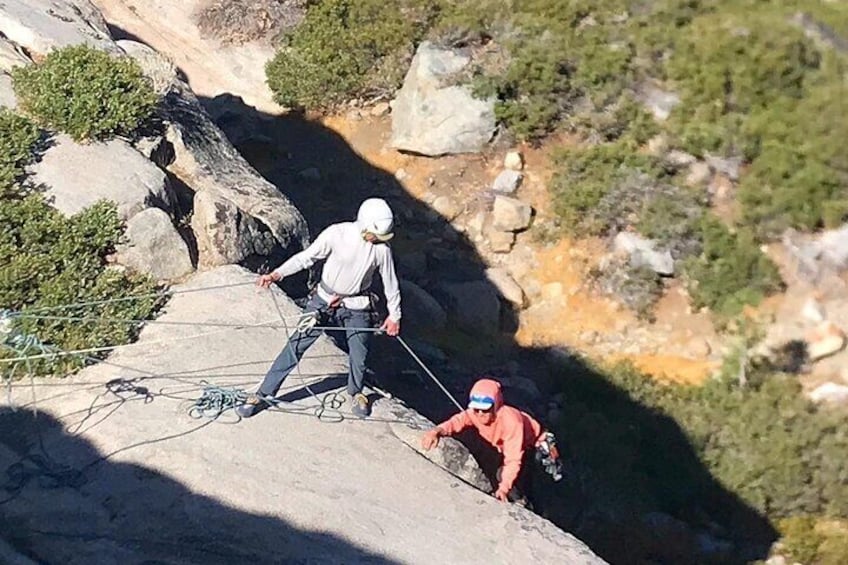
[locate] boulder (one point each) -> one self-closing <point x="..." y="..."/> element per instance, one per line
<point x="727" y="166"/>
<point x="78" y="175"/>
<point x="699" y="173"/>
<point x="244" y="212"/>
<point x="7" y="93"/>
<point x="224" y="233"/>
<point x="475" y="305"/>
<point x="432" y="115"/>
<point x="500" y="241"/>
<point x="511" y="214"/>
<point x="510" y="290"/>
<point x="833" y="247"/>
<point x="514" y="161"/>
<point x="659" y="102"/>
<point x="41" y="26"/>
<point x="507" y="182"/>
<point x="643" y="253"/>
<point x="11" y="56"/>
<point x="162" y="491"/>
<point x="154" y="247"/>
<point x="830" y="393"/>
<point x="421" y="310"/>
<point x="447" y="207"/>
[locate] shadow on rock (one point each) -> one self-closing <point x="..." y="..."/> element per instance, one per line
<point x="635" y="489"/>
<point x="61" y="509"/>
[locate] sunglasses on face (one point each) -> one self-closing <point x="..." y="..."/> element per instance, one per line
<point x="481" y="411"/>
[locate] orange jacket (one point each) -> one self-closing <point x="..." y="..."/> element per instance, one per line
<point x="512" y="431"/>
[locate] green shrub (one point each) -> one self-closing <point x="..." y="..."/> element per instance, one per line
<point x="731" y="271"/>
<point x="85" y="93"/>
<point x="585" y="176"/>
<point x="47" y="260"/>
<point x="344" y="49"/>
<point x="800" y="538"/>
<point x="725" y="67"/>
<point x="18" y="138"/>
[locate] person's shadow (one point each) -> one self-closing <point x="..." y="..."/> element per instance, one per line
<point x="62" y="502"/>
<point x="635" y="489"/>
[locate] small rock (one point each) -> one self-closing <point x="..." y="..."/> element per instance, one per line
<point x="658" y="145"/>
<point x="824" y="341"/>
<point x="721" y="188"/>
<point x="447" y="207"/>
<point x="401" y="174"/>
<point x="729" y="167"/>
<point x="552" y="291"/>
<point x="699" y="348"/>
<point x="312" y="173"/>
<point x="501" y="241"/>
<point x="510" y="214"/>
<point x="380" y="109"/>
<point x="476" y="224"/>
<point x="590" y="337"/>
<point x="506" y="285"/>
<point x="642" y="252"/>
<point x="659" y="102"/>
<point x="514" y="161"/>
<point x="699" y="173"/>
<point x="154" y="246"/>
<point x="830" y="393"/>
<point x="813" y="311"/>
<point x="507" y="182"/>
<point x="680" y="158"/>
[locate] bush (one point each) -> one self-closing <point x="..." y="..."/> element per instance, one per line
<point x="345" y="49"/>
<point x="85" y="93"/>
<point x="731" y="271"/>
<point x="47" y="260"/>
<point x="585" y="177"/>
<point x="18" y="138"/>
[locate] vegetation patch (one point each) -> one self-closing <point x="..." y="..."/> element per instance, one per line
<point x="86" y="93"/>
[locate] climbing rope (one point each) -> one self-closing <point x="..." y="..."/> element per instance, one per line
<point x="213" y="400"/>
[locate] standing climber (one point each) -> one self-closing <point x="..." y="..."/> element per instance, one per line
<point x="515" y="434"/>
<point x="353" y="251"/>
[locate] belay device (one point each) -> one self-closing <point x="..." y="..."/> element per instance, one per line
<point x="548" y="455"/>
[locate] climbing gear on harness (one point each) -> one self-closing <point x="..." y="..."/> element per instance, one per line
<point x="361" y="406"/>
<point x="548" y="455"/>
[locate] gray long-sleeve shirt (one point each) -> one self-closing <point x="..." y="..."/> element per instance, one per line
<point x="350" y="266"/>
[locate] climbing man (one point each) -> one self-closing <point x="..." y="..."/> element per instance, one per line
<point x="342" y="299"/>
<point x="515" y="434"/>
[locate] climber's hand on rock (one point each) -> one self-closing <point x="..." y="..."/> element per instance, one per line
<point x="265" y="281"/>
<point x="430" y="439"/>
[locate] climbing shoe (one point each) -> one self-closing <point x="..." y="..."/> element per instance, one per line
<point x="361" y="406"/>
<point x="251" y="407"/>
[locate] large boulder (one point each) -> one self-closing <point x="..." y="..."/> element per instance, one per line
<point x="144" y="482"/>
<point x="78" y="175"/>
<point x="421" y="310"/>
<point x="41" y="26"/>
<point x="154" y="246"/>
<point x="7" y="93"/>
<point x="510" y="290"/>
<point x="11" y="56"/>
<point x="432" y="114"/>
<point x="475" y="305"/>
<point x="644" y="253"/>
<point x="236" y="210"/>
<point x="224" y="233"/>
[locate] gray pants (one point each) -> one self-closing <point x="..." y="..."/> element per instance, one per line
<point x="353" y="342"/>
